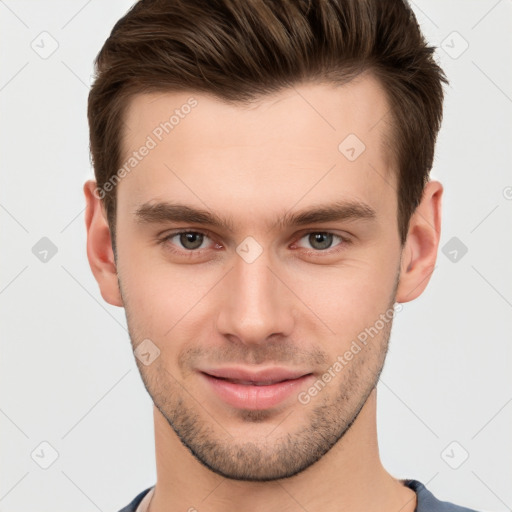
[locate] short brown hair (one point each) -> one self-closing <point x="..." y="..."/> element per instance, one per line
<point x="240" y="50"/>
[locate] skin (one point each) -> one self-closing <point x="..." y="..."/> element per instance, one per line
<point x="298" y="305"/>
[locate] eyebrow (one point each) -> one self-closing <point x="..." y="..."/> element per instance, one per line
<point x="161" y="212"/>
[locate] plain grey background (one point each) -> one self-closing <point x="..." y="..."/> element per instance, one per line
<point x="67" y="375"/>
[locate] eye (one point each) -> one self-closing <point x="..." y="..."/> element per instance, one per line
<point x="192" y="242"/>
<point x="188" y="240"/>
<point x="322" y="240"/>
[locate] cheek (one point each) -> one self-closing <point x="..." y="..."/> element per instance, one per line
<point x="354" y="285"/>
<point x="348" y="298"/>
<point x="161" y="299"/>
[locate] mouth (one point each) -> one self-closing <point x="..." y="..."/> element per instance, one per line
<point x="242" y="389"/>
<point x="252" y="382"/>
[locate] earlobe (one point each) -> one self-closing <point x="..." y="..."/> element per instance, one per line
<point x="99" y="247"/>
<point x="420" y="250"/>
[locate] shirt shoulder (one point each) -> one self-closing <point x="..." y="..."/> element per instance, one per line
<point x="133" y="505"/>
<point x="427" y="502"/>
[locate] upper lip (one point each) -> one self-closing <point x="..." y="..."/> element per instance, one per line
<point x="266" y="375"/>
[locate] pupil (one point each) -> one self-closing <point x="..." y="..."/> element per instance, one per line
<point x="191" y="240"/>
<point x="324" y="240"/>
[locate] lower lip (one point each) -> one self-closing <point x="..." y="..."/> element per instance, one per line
<point x="251" y="397"/>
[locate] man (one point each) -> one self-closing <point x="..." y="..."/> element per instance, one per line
<point x="262" y="206"/>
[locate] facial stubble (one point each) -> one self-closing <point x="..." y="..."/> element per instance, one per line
<point x="324" y="421"/>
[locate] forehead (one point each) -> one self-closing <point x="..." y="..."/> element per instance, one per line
<point x="309" y="143"/>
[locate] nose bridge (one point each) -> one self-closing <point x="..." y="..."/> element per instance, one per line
<point x="256" y="304"/>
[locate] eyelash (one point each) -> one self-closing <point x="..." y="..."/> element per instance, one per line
<point x="344" y="241"/>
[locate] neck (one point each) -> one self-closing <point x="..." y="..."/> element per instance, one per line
<point x="350" y="477"/>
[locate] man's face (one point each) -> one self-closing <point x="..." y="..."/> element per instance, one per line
<point x="260" y="293"/>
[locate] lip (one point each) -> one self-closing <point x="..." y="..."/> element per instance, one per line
<point x="256" y="390"/>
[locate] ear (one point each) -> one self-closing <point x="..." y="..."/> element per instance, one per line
<point x="420" y="250"/>
<point x="99" y="246"/>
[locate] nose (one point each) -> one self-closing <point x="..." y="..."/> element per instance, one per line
<point x="256" y="303"/>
